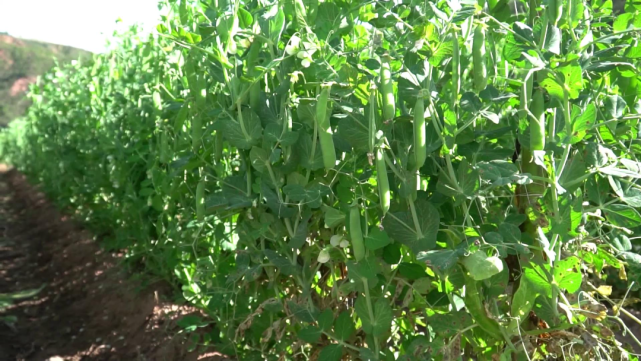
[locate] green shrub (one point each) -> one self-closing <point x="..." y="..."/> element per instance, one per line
<point x="373" y="180"/>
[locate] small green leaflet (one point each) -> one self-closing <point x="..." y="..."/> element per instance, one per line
<point x="582" y="121"/>
<point x="282" y="263"/>
<point x="622" y="215"/>
<point x="443" y="260"/>
<point x="400" y="226"/>
<point x="380" y="321"/>
<point x="523" y="301"/>
<point x="365" y="269"/>
<point x="344" y="327"/>
<point x="567" y="274"/>
<point x="332" y="352"/>
<point x="310" y="196"/>
<point x="274" y="133"/>
<point x="325" y="320"/>
<point x="310" y="334"/>
<point x="482" y="267"/>
<point x="259" y="159"/>
<point x="333" y="217"/>
<point x="234" y="134"/>
<point x="376" y="239"/>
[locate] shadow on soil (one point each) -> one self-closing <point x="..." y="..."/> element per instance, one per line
<point x="82" y="306"/>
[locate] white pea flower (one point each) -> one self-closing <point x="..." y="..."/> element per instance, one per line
<point x="323" y="256"/>
<point x="335" y="240"/>
<point x="344" y="243"/>
<point x="292" y="47"/>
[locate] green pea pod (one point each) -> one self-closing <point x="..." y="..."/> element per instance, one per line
<point x="475" y="307"/>
<point x="383" y="182"/>
<point x="200" y="201"/>
<point x="537" y="124"/>
<point x="372" y="118"/>
<point x="387" y="89"/>
<point x="356" y="233"/>
<point x="456" y="69"/>
<point x="324" y="128"/>
<point x="196" y="132"/>
<point x="526" y="95"/>
<point x="218" y="151"/>
<point x="478" y="56"/>
<point x="420" y="147"/>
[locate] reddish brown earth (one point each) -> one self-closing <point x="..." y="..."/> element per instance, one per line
<point x="88" y="309"/>
<point x="21" y="85"/>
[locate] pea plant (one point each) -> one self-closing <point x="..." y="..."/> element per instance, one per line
<point x="373" y="180"/>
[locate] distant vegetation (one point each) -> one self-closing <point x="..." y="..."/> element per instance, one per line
<point x="21" y="62"/>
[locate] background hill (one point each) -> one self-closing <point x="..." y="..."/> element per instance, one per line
<point x="21" y="62"/>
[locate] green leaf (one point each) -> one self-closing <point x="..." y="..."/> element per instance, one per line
<point x="344" y="327"/>
<point x="365" y="269"/>
<point x="411" y="271"/>
<point x="498" y="172"/>
<point x="283" y="264"/>
<point x="598" y="190"/>
<point x="450" y="323"/>
<point x="355" y="132"/>
<point x="300" y="237"/>
<point x="553" y="40"/>
<point x="442" y="261"/>
<point x="576" y="12"/>
<point x="274" y="203"/>
<point x="573" y="78"/>
<point x="523" y="301"/>
<point x="310" y="334"/>
<point x="376" y="239"/>
<point x="327" y="20"/>
<point x="274" y="133"/>
<point x="621" y="242"/>
<point x="190" y="323"/>
<point x="536" y="276"/>
<point x="234" y="134"/>
<point x="614" y="106"/>
<point x="553" y="88"/>
<point x="628" y="192"/>
<point x="574" y="169"/>
<point x="567" y="274"/>
<point x="367" y="354"/>
<point x="301" y="312"/>
<point x="311" y="196"/>
<point x="259" y="159"/>
<point x="331" y="352"/>
<point x="400" y="226"/>
<point x="333" y="217"/>
<point x="510" y="233"/>
<point x="582" y="122"/>
<point x="304" y="152"/>
<point x="276" y="18"/>
<point x="326" y="320"/>
<point x="598" y="155"/>
<point x="380" y="322"/>
<point x="392" y="253"/>
<point x="622" y="215"/>
<point x="482" y="267"/>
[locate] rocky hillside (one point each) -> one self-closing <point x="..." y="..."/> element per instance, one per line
<point x="21" y="62"/>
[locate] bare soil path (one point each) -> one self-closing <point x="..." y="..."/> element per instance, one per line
<point x="87" y="309"/>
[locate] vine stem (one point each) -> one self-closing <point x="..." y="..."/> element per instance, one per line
<point x="370" y="310"/>
<point x="417" y="225"/>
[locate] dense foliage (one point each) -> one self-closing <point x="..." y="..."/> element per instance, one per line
<point x="376" y="180"/>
